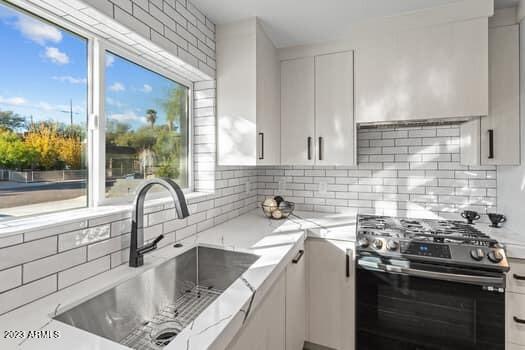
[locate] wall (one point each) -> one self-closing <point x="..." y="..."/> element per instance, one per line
<point x="511" y="179"/>
<point x="402" y="171"/>
<point x="38" y="261"/>
<point x="175" y="25"/>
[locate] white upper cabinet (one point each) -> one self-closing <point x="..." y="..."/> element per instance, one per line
<point x="297" y="112"/>
<point x="317" y="110"/>
<point x="334" y="109"/>
<point x="494" y="139"/>
<point x="248" y="96"/>
<point x="439" y="71"/>
<point x="502" y="125"/>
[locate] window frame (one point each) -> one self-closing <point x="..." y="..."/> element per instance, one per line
<point x="96" y="120"/>
<point x="105" y="46"/>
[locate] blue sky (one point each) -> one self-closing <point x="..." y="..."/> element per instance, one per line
<point x="131" y="90"/>
<point x="43" y="67"/>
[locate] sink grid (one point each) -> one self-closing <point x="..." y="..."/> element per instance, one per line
<point x="171" y="320"/>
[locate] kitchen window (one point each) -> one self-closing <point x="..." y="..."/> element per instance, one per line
<point x="146" y="127"/>
<point x="83" y="121"/>
<point x="43" y="116"/>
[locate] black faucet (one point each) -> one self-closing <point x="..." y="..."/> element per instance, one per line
<point x="137" y="248"/>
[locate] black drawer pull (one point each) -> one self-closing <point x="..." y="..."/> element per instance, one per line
<point x="491" y="144"/>
<point x="298" y="256"/>
<point x="348" y="259"/>
<point x="519" y="320"/>
<point x="261" y="153"/>
<point x="320" y="148"/>
<point x="309" y="147"/>
<point x="518" y="277"/>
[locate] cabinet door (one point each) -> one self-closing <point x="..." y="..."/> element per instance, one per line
<point x="297" y="112"/>
<point x="334" y="109"/>
<point x="274" y="310"/>
<point x="268" y="101"/>
<point x="296" y="302"/>
<point x="265" y="327"/>
<point x="434" y="72"/>
<point x="502" y="124"/>
<point x="330" y="293"/>
<point x="236" y="99"/>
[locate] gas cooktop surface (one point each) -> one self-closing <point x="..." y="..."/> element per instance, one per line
<point x="447" y="241"/>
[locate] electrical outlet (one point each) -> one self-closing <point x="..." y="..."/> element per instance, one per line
<point x="323" y="187"/>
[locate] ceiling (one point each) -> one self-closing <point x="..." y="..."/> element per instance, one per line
<point x="300" y="22"/>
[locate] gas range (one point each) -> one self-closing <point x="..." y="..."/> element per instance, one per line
<point x="437" y="241"/>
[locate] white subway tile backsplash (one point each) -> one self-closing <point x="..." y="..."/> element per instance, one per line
<point x="82" y="272"/>
<point x="99" y="249"/>
<point x="401" y="171"/>
<point x="82" y="237"/>
<point x="27" y="293"/>
<point x="21" y="253"/>
<point x="10" y="278"/>
<point x="50" y="265"/>
<point x="11" y="240"/>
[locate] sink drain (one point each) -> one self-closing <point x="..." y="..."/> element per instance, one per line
<point x="165" y="336"/>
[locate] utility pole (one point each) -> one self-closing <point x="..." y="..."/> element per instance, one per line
<point x="70" y="112"/>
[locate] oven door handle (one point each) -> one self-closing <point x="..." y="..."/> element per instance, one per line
<point x="496" y="282"/>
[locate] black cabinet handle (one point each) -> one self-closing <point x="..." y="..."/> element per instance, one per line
<point x="518" y="277"/>
<point x="261" y="156"/>
<point x="298" y="257"/>
<point x="309" y="147"/>
<point x="348" y="258"/>
<point x="519" y="320"/>
<point x="491" y="143"/>
<point x="320" y="148"/>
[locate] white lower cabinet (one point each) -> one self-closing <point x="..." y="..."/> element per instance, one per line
<point x="515" y="305"/>
<point x="330" y="290"/>
<point x="265" y="327"/>
<point x="296" y="302"/>
<point x="312" y="300"/>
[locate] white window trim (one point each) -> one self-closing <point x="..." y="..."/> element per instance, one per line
<point x="97" y="46"/>
<point x="101" y="47"/>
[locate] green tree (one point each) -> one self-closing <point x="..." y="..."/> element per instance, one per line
<point x="151" y="117"/>
<point x="11" y="121"/>
<point x="14" y="153"/>
<point x="167" y="151"/>
<point x="176" y="107"/>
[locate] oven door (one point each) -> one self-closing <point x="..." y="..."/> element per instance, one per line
<point x="428" y="308"/>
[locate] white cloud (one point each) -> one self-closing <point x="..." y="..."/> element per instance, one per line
<point x="56" y="56"/>
<point x="13" y="101"/>
<point x="109" y="60"/>
<point x="37" y="31"/>
<point x="117" y="87"/>
<point x="146" y="88"/>
<point x="113" y="102"/>
<point x="70" y="79"/>
<point x="45" y="106"/>
<point x="127" y="117"/>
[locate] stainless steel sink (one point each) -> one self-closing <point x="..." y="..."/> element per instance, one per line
<point x="148" y="311"/>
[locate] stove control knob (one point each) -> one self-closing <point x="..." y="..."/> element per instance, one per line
<point x="378" y="244"/>
<point x="363" y="242"/>
<point x="495" y="256"/>
<point x="392" y="245"/>
<point x="477" y="254"/>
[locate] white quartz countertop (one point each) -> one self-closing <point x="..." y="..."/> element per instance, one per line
<point x="276" y="242"/>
